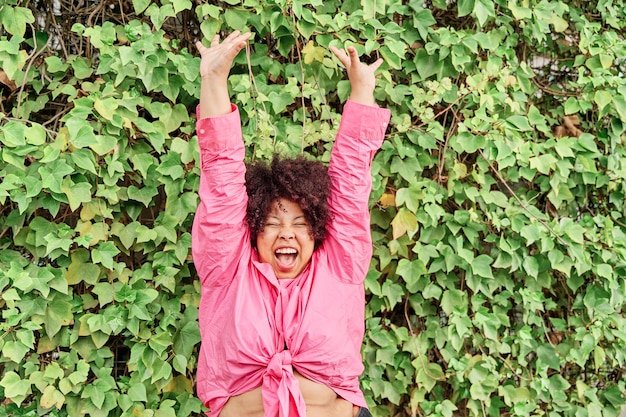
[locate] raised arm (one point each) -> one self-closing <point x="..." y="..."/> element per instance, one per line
<point x="360" y="135"/>
<point x="219" y="229"/>
<point x="214" y="69"/>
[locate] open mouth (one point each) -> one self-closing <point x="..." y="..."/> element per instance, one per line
<point x="286" y="257"/>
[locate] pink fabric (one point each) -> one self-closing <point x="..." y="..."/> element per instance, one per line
<point x="247" y="315"/>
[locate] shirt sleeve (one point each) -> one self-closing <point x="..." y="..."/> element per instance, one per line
<point x="220" y="233"/>
<point x="360" y="135"/>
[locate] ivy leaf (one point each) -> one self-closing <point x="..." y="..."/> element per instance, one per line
<point x="543" y="163"/>
<point x="95" y="394"/>
<point x="140" y="5"/>
<point x="106" y="107"/>
<point x="404" y="222"/>
<point x="465" y="7"/>
<point x="104" y="254"/>
<point x="161" y="370"/>
<point x="137" y="392"/>
<point x="408" y="168"/>
<point x="313" y="53"/>
<point x="15" y="388"/>
<point x="484" y="9"/>
<point x="481" y="266"/>
<point x="13" y="133"/>
<point x="428" y="374"/>
<point x="14" y="19"/>
<point x="76" y="193"/>
<point x="411" y="272"/>
<point x="519" y="12"/>
<point x="547" y="355"/>
<point x="422" y="20"/>
<point x="52" y="397"/>
<point x="58" y="314"/>
<point x="15" y="351"/>
<point x="519" y="123"/>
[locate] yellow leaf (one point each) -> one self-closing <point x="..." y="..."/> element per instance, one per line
<point x="559" y="23"/>
<point x="404" y="222"/>
<point x="387" y="199"/>
<point x="52" y="397"/>
<point x="179" y="384"/>
<point x="313" y="53"/>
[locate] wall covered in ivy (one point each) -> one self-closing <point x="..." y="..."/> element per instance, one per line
<point x="498" y="280"/>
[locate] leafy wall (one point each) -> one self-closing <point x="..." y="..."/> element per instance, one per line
<point x="498" y="211"/>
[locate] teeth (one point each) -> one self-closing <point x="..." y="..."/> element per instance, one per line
<point x="286" y="251"/>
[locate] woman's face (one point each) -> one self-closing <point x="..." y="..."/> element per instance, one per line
<point x="285" y="241"/>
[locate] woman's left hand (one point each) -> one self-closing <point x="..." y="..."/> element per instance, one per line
<point x="362" y="76"/>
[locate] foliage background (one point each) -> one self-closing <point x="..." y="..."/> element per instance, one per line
<point x="498" y="216"/>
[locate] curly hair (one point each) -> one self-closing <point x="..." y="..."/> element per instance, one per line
<point x="303" y="181"/>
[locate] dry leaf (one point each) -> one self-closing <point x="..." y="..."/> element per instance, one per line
<point x="4" y="79"/>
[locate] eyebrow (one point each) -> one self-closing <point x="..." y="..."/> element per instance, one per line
<point x="295" y="218"/>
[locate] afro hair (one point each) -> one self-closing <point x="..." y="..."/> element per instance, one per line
<point x="303" y="181"/>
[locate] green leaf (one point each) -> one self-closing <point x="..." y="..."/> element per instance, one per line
<point x="180" y="5"/>
<point x="547" y="356"/>
<point x="519" y="123"/>
<point x="465" y="7"/>
<point x="15" y="388"/>
<point x="104" y="254"/>
<point x="76" y="193"/>
<point x="543" y="163"/>
<point x="14" y="19"/>
<point x="13" y="133"/>
<point x="453" y="299"/>
<point x="619" y="103"/>
<point x="137" y="392"/>
<point x="410" y="197"/>
<point x="481" y="266"/>
<point x="411" y="272"/>
<point x="427" y="374"/>
<point x="185" y="339"/>
<point x="36" y="134"/>
<point x="106" y="107"/>
<point x="140" y="5"/>
<point x="14" y="351"/>
<point x="531" y="266"/>
<point x="484" y="9"/>
<point x="519" y="12"/>
<point x="58" y="314"/>
<point x="467" y="142"/>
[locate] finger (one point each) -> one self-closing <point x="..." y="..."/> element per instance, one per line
<point x="341" y="56"/>
<point x="375" y="65"/>
<point x="238" y="41"/>
<point x="215" y="41"/>
<point x="200" y="47"/>
<point x="354" y="56"/>
<point x="232" y="36"/>
<point x="243" y="38"/>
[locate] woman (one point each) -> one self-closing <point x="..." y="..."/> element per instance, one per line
<point x="282" y="264"/>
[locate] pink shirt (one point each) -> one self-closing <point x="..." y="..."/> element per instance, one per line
<point x="247" y="316"/>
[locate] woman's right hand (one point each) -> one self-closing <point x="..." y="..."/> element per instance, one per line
<point x="215" y="66"/>
<point x="218" y="58"/>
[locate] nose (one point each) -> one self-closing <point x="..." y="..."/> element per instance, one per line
<point x="286" y="233"/>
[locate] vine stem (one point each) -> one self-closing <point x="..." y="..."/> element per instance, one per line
<point x="520" y="202"/>
<point x="298" y="50"/>
<point x="255" y="93"/>
<point x="31" y="60"/>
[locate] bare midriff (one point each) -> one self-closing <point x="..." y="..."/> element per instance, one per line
<point x="320" y="400"/>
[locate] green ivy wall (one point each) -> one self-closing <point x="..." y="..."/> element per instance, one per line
<point x="498" y="279"/>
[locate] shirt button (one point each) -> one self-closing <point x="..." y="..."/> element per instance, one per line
<point x="202" y="131"/>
